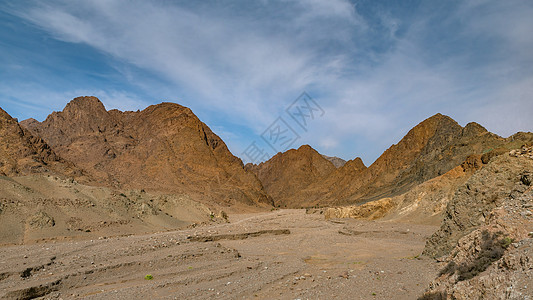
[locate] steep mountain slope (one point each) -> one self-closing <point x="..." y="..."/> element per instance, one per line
<point x="285" y="174"/>
<point x="472" y="203"/>
<point x="22" y="153"/>
<point x="165" y="147"/>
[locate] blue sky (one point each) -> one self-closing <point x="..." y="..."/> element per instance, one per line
<point x="376" y="68"/>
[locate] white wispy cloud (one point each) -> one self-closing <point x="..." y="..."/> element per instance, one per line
<point x="376" y="76"/>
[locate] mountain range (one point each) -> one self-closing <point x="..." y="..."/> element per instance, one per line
<point x="166" y="151"/>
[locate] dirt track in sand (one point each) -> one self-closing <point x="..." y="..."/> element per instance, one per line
<point x="284" y="254"/>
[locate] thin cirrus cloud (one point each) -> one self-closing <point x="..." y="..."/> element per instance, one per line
<point x="376" y="67"/>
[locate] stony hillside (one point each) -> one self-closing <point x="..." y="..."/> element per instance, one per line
<point x="164" y="147"/>
<point x="37" y="208"/>
<point x="430" y="149"/>
<point x="504" y="177"/>
<point x="287" y="173"/>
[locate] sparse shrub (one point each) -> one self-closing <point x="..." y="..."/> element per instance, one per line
<point x="149" y="277"/>
<point x="506" y="242"/>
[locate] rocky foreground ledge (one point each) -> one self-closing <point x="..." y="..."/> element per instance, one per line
<point x="493" y="257"/>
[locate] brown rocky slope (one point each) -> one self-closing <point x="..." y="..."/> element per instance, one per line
<point x="423" y="204"/>
<point x="164" y="147"/>
<point x="503" y="178"/>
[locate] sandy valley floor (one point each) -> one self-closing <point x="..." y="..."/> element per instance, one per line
<point x="284" y="254"/>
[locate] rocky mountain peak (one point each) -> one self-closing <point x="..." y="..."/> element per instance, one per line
<point x="163" y="147"/>
<point x="29" y="123"/>
<point x="336" y="161"/>
<point x="355" y="164"/>
<point x="85" y="104"/>
<point x="436" y="125"/>
<point x="4" y="115"/>
<point x="287" y="173"/>
<point x="305" y="148"/>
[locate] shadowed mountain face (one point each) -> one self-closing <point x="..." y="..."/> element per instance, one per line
<point x="21" y="153"/>
<point x="165" y="147"/>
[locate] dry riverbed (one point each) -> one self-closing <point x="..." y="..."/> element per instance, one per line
<point x="285" y="254"/>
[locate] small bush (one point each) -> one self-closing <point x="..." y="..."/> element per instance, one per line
<point x="149" y="277"/>
<point x="506" y="242"/>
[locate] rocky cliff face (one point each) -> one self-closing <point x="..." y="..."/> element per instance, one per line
<point x="165" y="147"/>
<point x="22" y="153"/>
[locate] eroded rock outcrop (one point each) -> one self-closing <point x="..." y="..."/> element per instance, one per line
<point x="424" y="203"/>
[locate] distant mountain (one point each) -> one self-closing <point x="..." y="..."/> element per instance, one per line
<point x="164" y="147"/>
<point x="286" y="174"/>
<point x="336" y="161"/>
